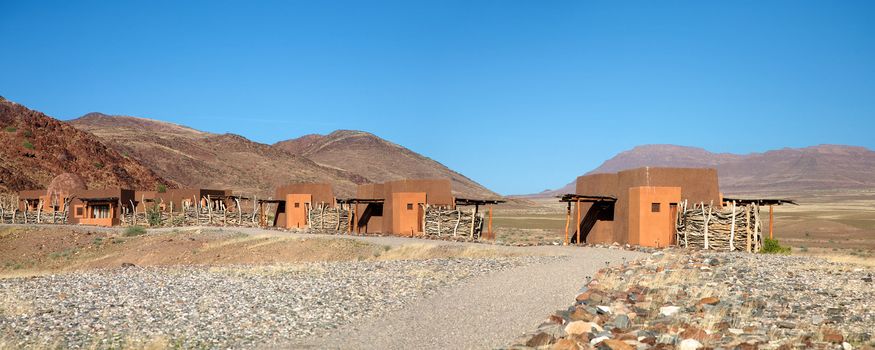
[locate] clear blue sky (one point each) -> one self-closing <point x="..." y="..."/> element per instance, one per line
<point x="543" y="90"/>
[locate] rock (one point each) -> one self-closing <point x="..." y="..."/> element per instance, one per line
<point x="127" y="265"/>
<point x="711" y="261"/>
<point x="598" y="340"/>
<point x="581" y="327"/>
<point x="621" y="321"/>
<point x="540" y="339"/>
<point x="565" y="344"/>
<point x="785" y="324"/>
<point x="847" y="346"/>
<point x="614" y="344"/>
<point x="689" y="344"/>
<point x="603" y="310"/>
<point x="816" y="320"/>
<point x="832" y="336"/>
<point x="709" y="301"/>
<point x="668" y="310"/>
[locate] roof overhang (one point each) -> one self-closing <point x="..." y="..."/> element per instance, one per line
<point x="470" y="201"/>
<point x="571" y="197"/>
<point x="760" y="201"/>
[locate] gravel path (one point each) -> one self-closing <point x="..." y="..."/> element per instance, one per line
<point x="481" y="313"/>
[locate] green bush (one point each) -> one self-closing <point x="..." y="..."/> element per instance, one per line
<point x="98" y="165"/>
<point x="135" y="231"/>
<point x="10" y="129"/>
<point x="772" y="246"/>
<point x="27" y="133"/>
<point x="161" y="188"/>
<point x="27" y="144"/>
<point x="153" y="215"/>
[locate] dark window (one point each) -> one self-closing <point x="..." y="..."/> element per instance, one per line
<point x="409" y="206"/>
<point x="654" y="207"/>
<point x="80" y="211"/>
<point x="297" y="205"/>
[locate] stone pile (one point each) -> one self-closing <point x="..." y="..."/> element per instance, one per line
<point x="688" y="300"/>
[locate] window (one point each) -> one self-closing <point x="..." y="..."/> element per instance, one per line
<point x="297" y="205"/>
<point x="654" y="207"/>
<point x="409" y="206"/>
<point x="80" y="211"/>
<point x="100" y="212"/>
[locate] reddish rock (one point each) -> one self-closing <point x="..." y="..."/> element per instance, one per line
<point x="556" y="319"/>
<point x="709" y="301"/>
<point x="832" y="336"/>
<point x="540" y="339"/>
<point x="580" y="314"/>
<point x="565" y="344"/>
<point x="614" y="344"/>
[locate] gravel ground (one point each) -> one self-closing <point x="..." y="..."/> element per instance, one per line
<point x="691" y="300"/>
<point x="219" y="307"/>
<point x="483" y="312"/>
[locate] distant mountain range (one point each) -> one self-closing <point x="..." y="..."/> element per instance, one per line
<point x="141" y="153"/>
<point x="786" y="170"/>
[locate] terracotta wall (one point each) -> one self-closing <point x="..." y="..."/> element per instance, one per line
<point x="314" y="193"/>
<point x="697" y="185"/>
<point x="407" y="213"/>
<point x="125" y="196"/>
<point x="436" y="191"/>
<point x="651" y="216"/>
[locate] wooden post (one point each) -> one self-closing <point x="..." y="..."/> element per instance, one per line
<point x="578" y="222"/>
<point x="567" y="222"/>
<point x="261" y="214"/>
<point x="747" y="220"/>
<point x="732" y="230"/>
<point x="473" y="216"/>
<point x="491" y="234"/>
<point x="771" y="221"/>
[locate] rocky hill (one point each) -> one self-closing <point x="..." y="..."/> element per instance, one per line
<point x="34" y="148"/>
<point x="378" y="160"/>
<point x="195" y="158"/>
<point x="786" y="170"/>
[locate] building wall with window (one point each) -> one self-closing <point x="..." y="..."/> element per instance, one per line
<point x="98" y="207"/>
<point x="293" y="212"/>
<point x="694" y="185"/>
<point x="401" y="209"/>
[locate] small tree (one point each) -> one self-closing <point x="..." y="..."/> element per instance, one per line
<point x="772" y="246"/>
<point x="153" y="215"/>
<point x="27" y="144"/>
<point x="161" y="188"/>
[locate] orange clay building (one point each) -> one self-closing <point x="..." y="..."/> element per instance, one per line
<point x="293" y="199"/>
<point x="637" y="206"/>
<point x="396" y="207"/>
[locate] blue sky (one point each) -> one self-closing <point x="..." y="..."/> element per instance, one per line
<point x="543" y="90"/>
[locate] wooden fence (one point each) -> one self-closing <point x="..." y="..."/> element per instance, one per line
<point x="731" y="228"/>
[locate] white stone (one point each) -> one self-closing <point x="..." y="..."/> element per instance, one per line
<point x="689" y="344"/>
<point x="736" y="331"/>
<point x="604" y="309"/>
<point x="847" y="346"/>
<point x="668" y="310"/>
<point x="598" y="340"/>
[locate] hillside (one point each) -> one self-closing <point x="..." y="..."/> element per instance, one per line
<point x="195" y="158"/>
<point x="786" y="170"/>
<point x="378" y="160"/>
<point x="34" y="148"/>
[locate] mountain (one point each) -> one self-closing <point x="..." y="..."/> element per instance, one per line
<point x="378" y="160"/>
<point x="786" y="170"/>
<point x="34" y="148"/>
<point x="194" y="158"/>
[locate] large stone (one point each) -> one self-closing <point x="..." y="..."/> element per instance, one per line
<point x="669" y="310"/>
<point x="540" y="339"/>
<point x="614" y="344"/>
<point x="581" y="327"/>
<point x="565" y="344"/>
<point x="621" y="321"/>
<point x="833" y="336"/>
<point x="709" y="301"/>
<point x="689" y="344"/>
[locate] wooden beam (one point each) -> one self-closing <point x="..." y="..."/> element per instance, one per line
<point x="491" y="234"/>
<point x="771" y="221"/>
<point x="578" y="222"/>
<point x="567" y="222"/>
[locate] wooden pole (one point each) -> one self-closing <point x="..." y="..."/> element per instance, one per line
<point x="771" y="221"/>
<point x="747" y="220"/>
<point x="491" y="234"/>
<point x="578" y="221"/>
<point x="732" y="230"/>
<point x="567" y="222"/>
